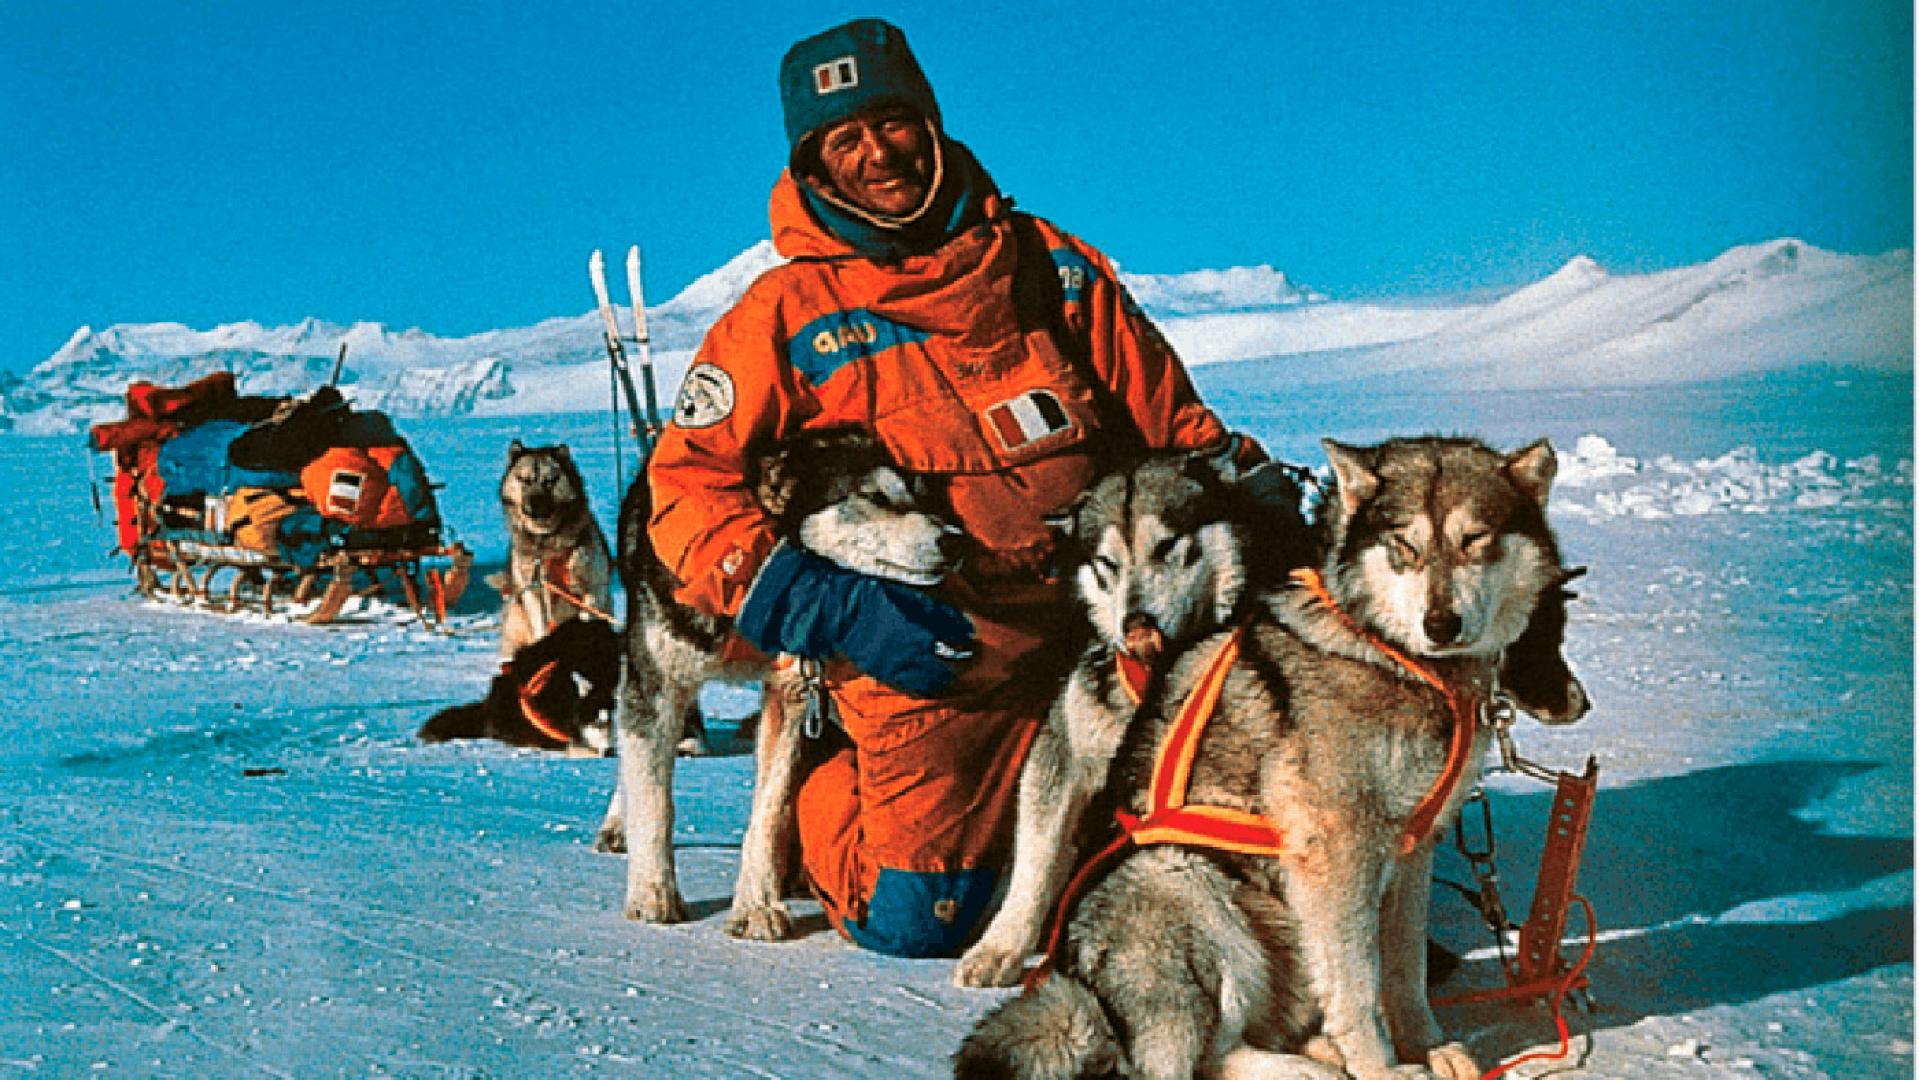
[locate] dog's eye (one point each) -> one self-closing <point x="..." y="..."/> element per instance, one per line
<point x="1180" y="550"/>
<point x="1476" y="544"/>
<point x="1404" y="550"/>
<point x="1105" y="569"/>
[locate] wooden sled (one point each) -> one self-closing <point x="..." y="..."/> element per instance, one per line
<point x="224" y="577"/>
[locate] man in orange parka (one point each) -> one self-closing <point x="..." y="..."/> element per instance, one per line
<point x="906" y="309"/>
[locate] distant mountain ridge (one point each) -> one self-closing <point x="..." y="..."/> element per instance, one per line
<point x="1758" y="307"/>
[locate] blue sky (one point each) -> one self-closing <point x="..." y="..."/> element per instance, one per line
<point x="450" y="166"/>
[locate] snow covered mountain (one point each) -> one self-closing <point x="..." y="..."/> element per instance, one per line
<point x="1762" y="307"/>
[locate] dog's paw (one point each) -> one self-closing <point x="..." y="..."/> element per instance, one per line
<point x="1449" y="1061"/>
<point x="983" y="967"/>
<point x="655" y="905"/>
<point x="610" y="841"/>
<point x="772" y="922"/>
<point x="1322" y="1049"/>
<point x="1246" y="1063"/>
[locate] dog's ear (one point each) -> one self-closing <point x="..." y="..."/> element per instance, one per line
<point x="1221" y="465"/>
<point x="1532" y="470"/>
<point x="1064" y="522"/>
<point x="1353" y="474"/>
<point x="560" y="451"/>
<point x="514" y="449"/>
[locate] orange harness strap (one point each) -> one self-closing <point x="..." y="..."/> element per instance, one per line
<point x="1133" y="675"/>
<point x="529" y="707"/>
<point x="1465" y="717"/>
<point x="1169" y="820"/>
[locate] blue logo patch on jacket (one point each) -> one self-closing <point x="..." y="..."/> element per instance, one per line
<point x="838" y="338"/>
<point x="1075" y="273"/>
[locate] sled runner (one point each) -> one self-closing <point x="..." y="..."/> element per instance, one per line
<point x="240" y="502"/>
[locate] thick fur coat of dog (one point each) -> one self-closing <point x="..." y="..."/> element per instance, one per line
<point x="1311" y="962"/>
<point x="558" y="566"/>
<point x="1167" y="551"/>
<point x="833" y="492"/>
<point x="555" y="694"/>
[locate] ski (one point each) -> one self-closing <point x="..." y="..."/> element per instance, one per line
<point x="616" y="350"/>
<point x="640" y="338"/>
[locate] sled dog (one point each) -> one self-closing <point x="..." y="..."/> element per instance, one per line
<point x="833" y="492"/>
<point x="1308" y="961"/>
<point x="1164" y="551"/>
<point x="555" y="694"/>
<point x="558" y="566"/>
<point x="1144" y="602"/>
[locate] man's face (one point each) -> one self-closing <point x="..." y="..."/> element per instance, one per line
<point x="880" y="161"/>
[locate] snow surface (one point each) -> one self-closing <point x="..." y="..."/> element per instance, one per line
<point x="223" y="854"/>
<point x="1762" y="307"/>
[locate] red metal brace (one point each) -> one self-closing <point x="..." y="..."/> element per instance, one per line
<point x="1539" y="961"/>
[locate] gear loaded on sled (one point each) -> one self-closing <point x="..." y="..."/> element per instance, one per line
<point x="278" y="491"/>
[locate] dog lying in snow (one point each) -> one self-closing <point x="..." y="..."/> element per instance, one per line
<point x="554" y="694"/>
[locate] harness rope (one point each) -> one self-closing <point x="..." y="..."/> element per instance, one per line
<point x="551" y="577"/>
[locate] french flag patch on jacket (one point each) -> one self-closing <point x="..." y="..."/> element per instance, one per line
<point x="1028" y="418"/>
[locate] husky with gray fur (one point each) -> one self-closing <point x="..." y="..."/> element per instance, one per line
<point x="551" y="534"/>
<point x="834" y="493"/>
<point x="1312" y="963"/>
<point x="1164" y="556"/>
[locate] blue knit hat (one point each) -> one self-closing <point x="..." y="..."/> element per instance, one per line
<point x="839" y="72"/>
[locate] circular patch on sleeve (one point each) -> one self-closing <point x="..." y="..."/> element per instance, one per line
<point x="706" y="397"/>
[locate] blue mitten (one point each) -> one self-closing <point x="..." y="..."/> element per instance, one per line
<point x="812" y="607"/>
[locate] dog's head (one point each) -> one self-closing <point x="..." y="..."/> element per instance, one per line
<point x="542" y="491"/>
<point x="837" y="494"/>
<point x="1157" y="551"/>
<point x="1441" y="545"/>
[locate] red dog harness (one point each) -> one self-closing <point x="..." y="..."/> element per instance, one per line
<point x="1170" y="820"/>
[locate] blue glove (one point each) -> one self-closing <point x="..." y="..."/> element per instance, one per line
<point x="812" y="607"/>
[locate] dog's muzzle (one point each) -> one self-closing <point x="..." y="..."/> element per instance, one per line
<point x="1142" y="638"/>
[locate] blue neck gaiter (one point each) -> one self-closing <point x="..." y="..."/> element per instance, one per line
<point x="957" y="204"/>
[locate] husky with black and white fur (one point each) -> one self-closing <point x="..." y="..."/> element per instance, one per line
<point x="833" y="492"/>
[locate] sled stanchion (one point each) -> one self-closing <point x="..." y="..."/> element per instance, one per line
<point x="338" y="592"/>
<point x="411" y="590"/>
<point x="234" y="590"/>
<point x="436" y="592"/>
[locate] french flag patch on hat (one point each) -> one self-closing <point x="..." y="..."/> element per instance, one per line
<point x="1028" y="418"/>
<point x="840" y="74"/>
